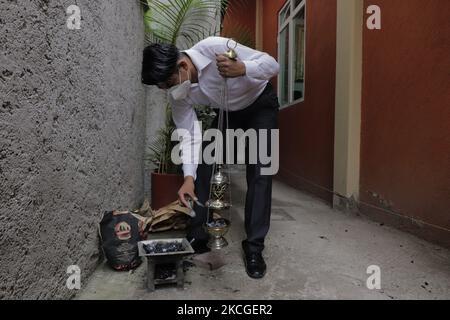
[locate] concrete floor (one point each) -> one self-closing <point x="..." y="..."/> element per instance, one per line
<point x="312" y="252"/>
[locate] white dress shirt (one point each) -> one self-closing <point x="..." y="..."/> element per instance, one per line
<point x="242" y="91"/>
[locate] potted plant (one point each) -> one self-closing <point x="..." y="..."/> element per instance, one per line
<point x="167" y="177"/>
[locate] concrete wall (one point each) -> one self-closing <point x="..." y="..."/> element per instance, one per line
<point x="156" y="117"/>
<point x="72" y="136"/>
<point x="347" y="122"/>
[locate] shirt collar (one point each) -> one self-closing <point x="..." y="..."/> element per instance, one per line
<point x="199" y="60"/>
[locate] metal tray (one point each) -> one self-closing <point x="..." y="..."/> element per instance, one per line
<point x="186" y="246"/>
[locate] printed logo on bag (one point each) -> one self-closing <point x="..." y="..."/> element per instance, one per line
<point x="123" y="230"/>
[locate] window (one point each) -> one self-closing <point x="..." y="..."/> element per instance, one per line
<point x="291" y="52"/>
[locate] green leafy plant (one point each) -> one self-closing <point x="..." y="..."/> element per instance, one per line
<point x="181" y="22"/>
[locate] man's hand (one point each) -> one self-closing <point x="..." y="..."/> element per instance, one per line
<point x="187" y="189"/>
<point x="230" y="68"/>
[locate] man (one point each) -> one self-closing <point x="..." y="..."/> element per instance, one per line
<point x="196" y="77"/>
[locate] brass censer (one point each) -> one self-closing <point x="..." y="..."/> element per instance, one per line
<point x="218" y="206"/>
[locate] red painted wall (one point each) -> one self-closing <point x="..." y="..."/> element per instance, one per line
<point x="241" y="13"/>
<point x="307" y="129"/>
<point x="270" y="28"/>
<point x="405" y="147"/>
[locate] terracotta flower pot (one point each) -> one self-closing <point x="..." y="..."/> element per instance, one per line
<point x="165" y="188"/>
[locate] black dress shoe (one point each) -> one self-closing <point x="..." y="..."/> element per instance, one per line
<point x="255" y="265"/>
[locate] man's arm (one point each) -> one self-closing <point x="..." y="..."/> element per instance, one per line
<point x="250" y="62"/>
<point x="185" y="119"/>
<point x="258" y="65"/>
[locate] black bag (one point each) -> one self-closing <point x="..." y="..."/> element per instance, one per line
<point x="120" y="234"/>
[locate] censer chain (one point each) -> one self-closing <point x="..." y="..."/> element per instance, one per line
<point x="220" y="129"/>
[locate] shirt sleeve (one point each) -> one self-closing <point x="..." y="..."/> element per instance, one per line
<point x="259" y="65"/>
<point x="189" y="130"/>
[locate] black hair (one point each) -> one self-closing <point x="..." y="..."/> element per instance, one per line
<point x="159" y="63"/>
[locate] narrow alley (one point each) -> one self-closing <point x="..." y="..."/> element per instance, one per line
<point x="346" y="100"/>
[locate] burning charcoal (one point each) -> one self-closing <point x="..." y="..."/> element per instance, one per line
<point x="149" y="248"/>
<point x="174" y="247"/>
<point x="163" y="247"/>
<point x="219" y="223"/>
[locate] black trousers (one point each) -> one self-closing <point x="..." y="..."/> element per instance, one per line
<point x="262" y="114"/>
